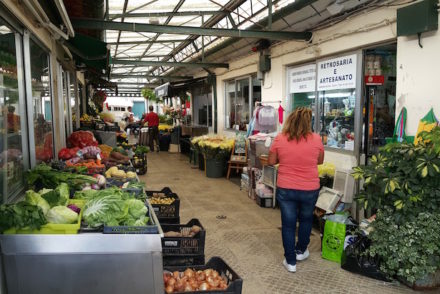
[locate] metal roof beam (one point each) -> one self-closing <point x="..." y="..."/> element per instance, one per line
<point x="163" y="14"/>
<point x="186" y="30"/>
<point x="140" y="76"/>
<point x="146" y="42"/>
<point x="169" y="63"/>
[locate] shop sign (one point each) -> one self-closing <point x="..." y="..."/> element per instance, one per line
<point x="337" y="73"/>
<point x="302" y="79"/>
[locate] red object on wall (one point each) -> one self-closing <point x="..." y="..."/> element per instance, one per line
<point x="188" y="104"/>
<point x="374" y="80"/>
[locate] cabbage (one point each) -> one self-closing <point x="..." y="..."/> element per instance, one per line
<point x="34" y="198"/>
<point x="112" y="210"/>
<point x="61" y="215"/>
<point x="64" y="193"/>
<point x="44" y="191"/>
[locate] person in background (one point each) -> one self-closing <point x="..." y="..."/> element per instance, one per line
<point x="298" y="151"/>
<point x="153" y="128"/>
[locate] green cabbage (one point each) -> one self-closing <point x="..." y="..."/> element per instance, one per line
<point x="61" y="215"/>
<point x="64" y="192"/>
<point x="112" y="210"/>
<point x="34" y="198"/>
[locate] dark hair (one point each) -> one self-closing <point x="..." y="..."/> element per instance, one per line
<point x="151" y="108"/>
<point x="299" y="124"/>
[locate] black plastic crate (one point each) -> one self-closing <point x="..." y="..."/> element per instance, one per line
<point x="126" y="168"/>
<point x="164" y="191"/>
<point x="113" y="128"/>
<point x="169" y="220"/>
<point x="183" y="260"/>
<point x="235" y="283"/>
<point x="141" y="170"/>
<point x="117" y="182"/>
<point x="139" y="160"/>
<point x="183" y="245"/>
<point x="167" y="210"/>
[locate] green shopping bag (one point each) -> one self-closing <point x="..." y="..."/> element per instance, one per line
<point x="333" y="241"/>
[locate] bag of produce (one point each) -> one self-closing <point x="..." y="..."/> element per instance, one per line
<point x="426" y="124"/>
<point x="82" y="139"/>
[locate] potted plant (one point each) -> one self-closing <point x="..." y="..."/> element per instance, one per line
<point x="216" y="150"/>
<point x="403" y="184"/>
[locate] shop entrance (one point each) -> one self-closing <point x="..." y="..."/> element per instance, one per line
<point x="380" y="98"/>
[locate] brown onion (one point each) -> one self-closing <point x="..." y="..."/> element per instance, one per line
<point x="169" y="289"/>
<point x="180" y="285"/>
<point x="200" y="277"/>
<point x="204" y="286"/>
<point x="188" y="288"/>
<point x="166" y="277"/>
<point x="176" y="275"/>
<point x="208" y="272"/>
<point x="171" y="282"/>
<point x="215" y="274"/>
<point x="188" y="273"/>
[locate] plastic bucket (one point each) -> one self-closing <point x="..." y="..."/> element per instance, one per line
<point x="215" y="168"/>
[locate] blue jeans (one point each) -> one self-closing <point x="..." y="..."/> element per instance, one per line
<point x="296" y="204"/>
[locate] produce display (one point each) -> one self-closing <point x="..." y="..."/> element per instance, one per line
<point x="86" y="118"/>
<point x="191" y="280"/>
<point x="140" y="150"/>
<point x="47" y="177"/>
<point x="68" y="153"/>
<point x="185" y="232"/>
<point x="116" y="156"/>
<point x="105" y="150"/>
<point x="82" y="139"/>
<point x="161" y="200"/>
<point x="112" y="207"/>
<point x="38" y="209"/>
<point x="114" y="172"/>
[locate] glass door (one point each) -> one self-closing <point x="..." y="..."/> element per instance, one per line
<point x="14" y="158"/>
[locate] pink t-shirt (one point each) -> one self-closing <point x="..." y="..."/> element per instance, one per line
<point x="298" y="162"/>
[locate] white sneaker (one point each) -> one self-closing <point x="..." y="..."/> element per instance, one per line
<point x="303" y="256"/>
<point x="289" y="267"/>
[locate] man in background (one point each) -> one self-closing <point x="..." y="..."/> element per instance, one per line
<point x="152" y="119"/>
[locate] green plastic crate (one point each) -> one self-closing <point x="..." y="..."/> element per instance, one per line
<point x="62" y="229"/>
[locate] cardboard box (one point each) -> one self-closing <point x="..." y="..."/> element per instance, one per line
<point x="174" y="148"/>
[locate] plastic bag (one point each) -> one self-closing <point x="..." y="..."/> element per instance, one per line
<point x="427" y="123"/>
<point x="354" y="260"/>
<point x="333" y="241"/>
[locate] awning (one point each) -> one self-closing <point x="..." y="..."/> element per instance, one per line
<point x="90" y="51"/>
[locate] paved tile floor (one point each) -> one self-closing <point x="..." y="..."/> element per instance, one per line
<point x="249" y="238"/>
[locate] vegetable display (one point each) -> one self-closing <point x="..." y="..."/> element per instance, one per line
<point x="68" y="153"/>
<point x="114" y="172"/>
<point x="140" y="150"/>
<point x="44" y="176"/>
<point x="61" y="215"/>
<point x="194" y="230"/>
<point x="161" y="200"/>
<point x="82" y="139"/>
<point x="191" y="280"/>
<point x="21" y="215"/>
<point x="112" y="207"/>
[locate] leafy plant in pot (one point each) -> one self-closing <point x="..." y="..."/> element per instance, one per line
<point x="403" y="184"/>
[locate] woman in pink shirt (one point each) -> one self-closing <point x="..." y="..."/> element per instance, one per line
<point x="298" y="151"/>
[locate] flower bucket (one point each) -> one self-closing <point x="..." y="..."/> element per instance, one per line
<point x="215" y="168"/>
<point x="201" y="161"/>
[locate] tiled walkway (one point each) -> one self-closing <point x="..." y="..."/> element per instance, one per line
<point x="249" y="239"/>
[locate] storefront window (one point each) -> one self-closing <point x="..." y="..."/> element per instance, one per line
<point x="11" y="149"/>
<point x="337" y="118"/>
<point x="42" y="103"/>
<point x="241" y="97"/>
<point x="73" y="103"/>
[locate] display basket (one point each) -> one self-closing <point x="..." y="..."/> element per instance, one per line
<point x="87" y="124"/>
<point x="235" y="283"/>
<point x="150" y="228"/>
<point x="183" y="245"/>
<point x="141" y="170"/>
<point x="169" y="220"/>
<point x="167" y="210"/>
<point x="49" y="228"/>
<point x="183" y="260"/>
<point x="139" y="161"/>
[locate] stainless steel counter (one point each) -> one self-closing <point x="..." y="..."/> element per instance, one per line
<point x="89" y="263"/>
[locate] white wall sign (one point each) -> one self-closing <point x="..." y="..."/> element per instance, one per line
<point x="337" y="73"/>
<point x="302" y="79"/>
